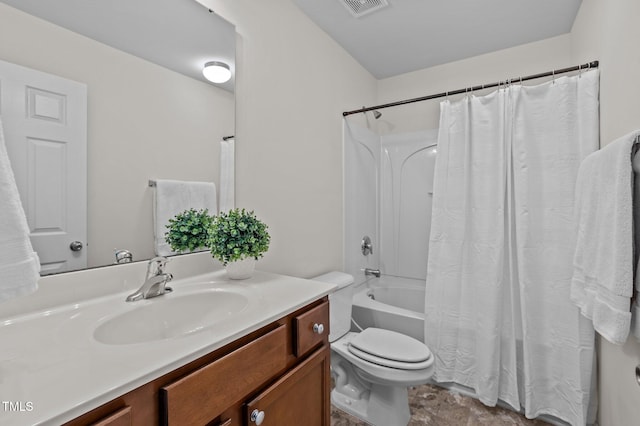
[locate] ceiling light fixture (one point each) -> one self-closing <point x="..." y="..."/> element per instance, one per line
<point x="216" y="72"/>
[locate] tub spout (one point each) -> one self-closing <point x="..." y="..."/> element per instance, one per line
<point x="374" y="272"/>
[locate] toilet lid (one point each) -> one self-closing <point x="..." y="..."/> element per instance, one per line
<point x="391" y="349"/>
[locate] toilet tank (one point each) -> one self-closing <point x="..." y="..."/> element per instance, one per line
<point x="340" y="302"/>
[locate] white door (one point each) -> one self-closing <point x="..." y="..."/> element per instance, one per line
<point x="45" y="124"/>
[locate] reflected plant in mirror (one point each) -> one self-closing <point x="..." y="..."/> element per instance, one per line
<point x="189" y="231"/>
<point x="145" y="113"/>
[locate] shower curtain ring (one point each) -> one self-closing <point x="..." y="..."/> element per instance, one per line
<point x="553" y="76"/>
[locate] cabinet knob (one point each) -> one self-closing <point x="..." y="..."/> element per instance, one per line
<point x="257" y="417"/>
<point x="318" y="328"/>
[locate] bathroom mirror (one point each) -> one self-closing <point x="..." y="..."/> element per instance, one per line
<point x="150" y="113"/>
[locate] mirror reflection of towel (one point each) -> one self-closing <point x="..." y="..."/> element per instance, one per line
<point x="173" y="197"/>
<point x="19" y="264"/>
<point x="227" y="174"/>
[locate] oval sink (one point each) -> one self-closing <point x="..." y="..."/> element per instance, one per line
<point x="170" y="316"/>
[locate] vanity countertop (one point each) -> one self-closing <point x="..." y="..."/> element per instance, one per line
<point x="52" y="368"/>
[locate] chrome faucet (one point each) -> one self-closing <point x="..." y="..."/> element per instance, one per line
<point x="374" y="272"/>
<point x="156" y="282"/>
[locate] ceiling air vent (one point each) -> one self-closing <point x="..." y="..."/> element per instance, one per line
<point x="359" y="8"/>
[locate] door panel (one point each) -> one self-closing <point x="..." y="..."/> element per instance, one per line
<point x="298" y="398"/>
<point x="45" y="123"/>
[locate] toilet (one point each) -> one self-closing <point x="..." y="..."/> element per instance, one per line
<point x="371" y="368"/>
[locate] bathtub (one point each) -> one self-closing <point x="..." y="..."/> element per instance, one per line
<point x="392" y="303"/>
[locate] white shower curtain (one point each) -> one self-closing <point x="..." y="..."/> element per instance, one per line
<point x="498" y="313"/>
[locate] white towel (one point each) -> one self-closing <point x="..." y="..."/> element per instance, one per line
<point x="635" y="318"/>
<point x="19" y="264"/>
<point x="227" y="174"/>
<point x="602" y="283"/>
<point x="173" y="197"/>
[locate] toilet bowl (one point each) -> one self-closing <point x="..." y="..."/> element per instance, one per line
<point x="372" y="368"/>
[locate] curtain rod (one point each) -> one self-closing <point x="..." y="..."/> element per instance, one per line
<point x="588" y="65"/>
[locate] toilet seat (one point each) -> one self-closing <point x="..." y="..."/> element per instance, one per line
<point x="377" y="373"/>
<point x="390" y="349"/>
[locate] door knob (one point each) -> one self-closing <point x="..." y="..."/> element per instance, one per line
<point x="76" y="246"/>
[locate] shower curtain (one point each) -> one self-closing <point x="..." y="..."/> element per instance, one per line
<point x="497" y="310"/>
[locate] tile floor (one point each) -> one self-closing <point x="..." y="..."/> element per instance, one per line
<point x="432" y="405"/>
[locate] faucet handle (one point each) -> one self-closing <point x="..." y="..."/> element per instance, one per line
<point x="156" y="265"/>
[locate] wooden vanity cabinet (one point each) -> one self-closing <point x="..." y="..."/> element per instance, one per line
<point x="280" y="370"/>
<point x="296" y="398"/>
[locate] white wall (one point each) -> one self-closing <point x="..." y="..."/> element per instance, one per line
<point x="609" y="31"/>
<point x="293" y="83"/>
<point x="144" y="122"/>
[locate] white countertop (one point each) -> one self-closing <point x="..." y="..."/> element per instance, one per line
<point x="55" y="370"/>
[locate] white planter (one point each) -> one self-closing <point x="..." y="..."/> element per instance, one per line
<point x="241" y="269"/>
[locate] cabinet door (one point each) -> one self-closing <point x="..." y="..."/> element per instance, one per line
<point x="300" y="397"/>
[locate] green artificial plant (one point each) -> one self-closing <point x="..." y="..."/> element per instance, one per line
<point x="188" y="231"/>
<point x="236" y="235"/>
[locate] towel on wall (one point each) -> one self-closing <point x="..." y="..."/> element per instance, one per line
<point x="227" y="174"/>
<point x="602" y="283"/>
<point x="19" y="264"/>
<point x="173" y="197"/>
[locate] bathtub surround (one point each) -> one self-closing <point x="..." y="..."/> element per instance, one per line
<point x="361" y="208"/>
<point x="19" y="264"/>
<point x="497" y="308"/>
<point x="602" y="283"/>
<point x="389" y="180"/>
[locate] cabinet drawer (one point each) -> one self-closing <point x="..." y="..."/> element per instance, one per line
<point x="311" y="329"/>
<point x="199" y="397"/>
<point x="121" y="417"/>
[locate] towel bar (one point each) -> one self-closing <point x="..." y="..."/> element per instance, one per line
<point x="152" y="183"/>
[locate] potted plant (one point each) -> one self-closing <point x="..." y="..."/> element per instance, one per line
<point x="188" y="231"/>
<point x="238" y="238"/>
